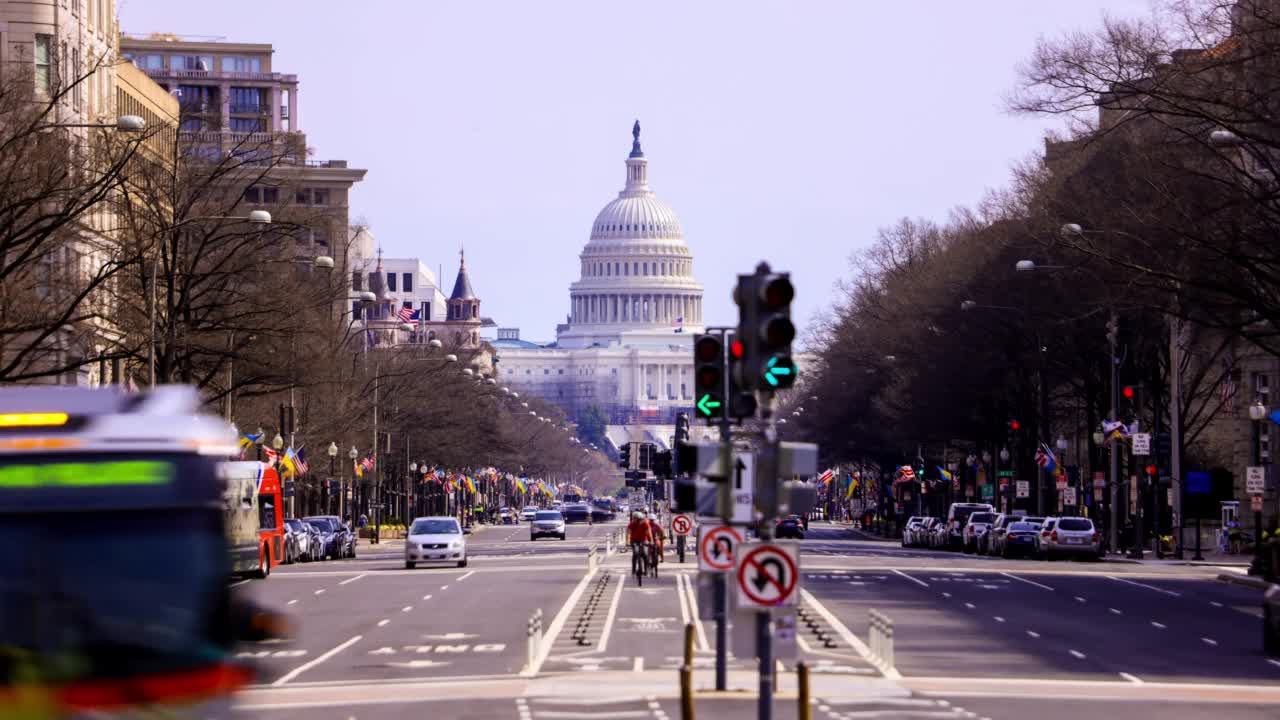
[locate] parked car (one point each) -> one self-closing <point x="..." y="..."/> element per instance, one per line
<point x="1075" y="536"/>
<point x="435" y="540"/>
<point x="507" y="516"/>
<point x="337" y="540"/>
<point x="1019" y="539"/>
<point x="976" y="527"/>
<point x="1042" y="537"/>
<point x="791" y="526"/>
<point x="957" y="517"/>
<point x="920" y="536"/>
<point x="909" y="528"/>
<point x="528" y="513"/>
<point x="547" y="523"/>
<point x="993" y="541"/>
<point x="938" y="534"/>
<point x="300" y="540"/>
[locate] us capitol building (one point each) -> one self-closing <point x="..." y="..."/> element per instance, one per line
<point x="626" y="343"/>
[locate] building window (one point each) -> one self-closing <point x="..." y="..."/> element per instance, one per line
<point x="545" y="371"/>
<point x="241" y="64"/>
<point x="407" y="304"/>
<point x="262" y="196"/>
<point x="475" y="311"/>
<point x="635" y="268"/>
<point x="319" y="197"/>
<point x="197" y="98"/>
<point x="44" y="63"/>
<point x="391" y="282"/>
<point x="357" y="280"/>
<point x="148" y="62"/>
<point x="246" y="125"/>
<point x="560" y="372"/>
<point x="191" y="62"/>
<point x="408" y="282"/>
<point x="425" y="312"/>
<point x="684" y="391"/>
<point x="248" y="100"/>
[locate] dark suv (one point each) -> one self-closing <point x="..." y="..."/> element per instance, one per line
<point x="337" y="539"/>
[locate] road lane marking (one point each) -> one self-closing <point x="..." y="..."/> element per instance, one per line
<point x="406" y="608"/>
<point x="426" y="597"/>
<point x="638" y="665"/>
<point x="921" y="583"/>
<point x="1033" y="633"/>
<point x="684" y="610"/>
<point x="971" y="606"/>
<point x="465" y="576"/>
<point x="1117" y="612"/>
<point x="293" y="602"/>
<point x="237" y="584"/>
<point x="609" y="619"/>
<point x="998" y="618"/>
<point x="1215" y="603"/>
<point x="946" y="595"/>
<point x="1076" y="654"/>
<point x="849" y="638"/>
<point x="308" y="665"/>
<point x="383" y="622"/>
<point x="320" y="591"/>
<point x="1144" y="585"/>
<point x="444" y="587"/>
<point x="1210" y="641"/>
<point x="351" y="580"/>
<point x="1155" y="624"/>
<point x="1131" y="678"/>
<point x="553" y="630"/>
<point x="1274" y="662"/>
<point x="1080" y="599"/>
<point x="1029" y="582"/>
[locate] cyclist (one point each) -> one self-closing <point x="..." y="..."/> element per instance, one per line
<point x="655" y="530"/>
<point x="639" y="534"/>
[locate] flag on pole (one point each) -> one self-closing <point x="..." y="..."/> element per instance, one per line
<point x="357" y="468"/>
<point x="826" y="476"/>
<point x="270" y="455"/>
<point x="853" y="485"/>
<point x="946" y="474"/>
<point x="287" y="462"/>
<point x="520" y="486"/>
<point x="1045" y="458"/>
<point x="301" y="461"/>
<point x="248" y="440"/>
<point x="471" y="484"/>
<point x="678" y="324"/>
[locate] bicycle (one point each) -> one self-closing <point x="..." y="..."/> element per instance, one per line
<point x="639" y="560"/>
<point x="653" y="559"/>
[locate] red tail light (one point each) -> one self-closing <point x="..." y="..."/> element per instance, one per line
<point x="1097" y="536"/>
<point x="1054" y="536"/>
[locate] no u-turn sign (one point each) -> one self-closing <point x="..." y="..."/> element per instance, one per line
<point x="768" y="575"/>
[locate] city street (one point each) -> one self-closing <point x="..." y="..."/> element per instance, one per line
<point x="975" y="636"/>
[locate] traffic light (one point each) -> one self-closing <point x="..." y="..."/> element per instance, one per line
<point x="708" y="376"/>
<point x="647" y="453"/>
<point x="624" y="456"/>
<point x="741" y="401"/>
<point x="765" y="329"/>
<point x="1127" y="392"/>
<point x="662" y="464"/>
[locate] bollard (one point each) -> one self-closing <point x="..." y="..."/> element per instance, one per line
<point x="686" y="692"/>
<point x="803" y="711"/>
<point x="688" y="645"/>
<point x="880" y="638"/>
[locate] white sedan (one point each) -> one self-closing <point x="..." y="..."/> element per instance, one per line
<point x="528" y="513"/>
<point x="435" y="540"/>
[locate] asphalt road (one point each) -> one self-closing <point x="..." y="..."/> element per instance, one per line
<point x="974" y="637"/>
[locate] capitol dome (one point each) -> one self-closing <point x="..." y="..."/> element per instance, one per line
<point x="637" y="271"/>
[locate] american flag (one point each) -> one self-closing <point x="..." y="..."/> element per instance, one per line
<point x="1228" y="387"/>
<point x="301" y="462"/>
<point x="408" y="315"/>
<point x="678" y="324"/>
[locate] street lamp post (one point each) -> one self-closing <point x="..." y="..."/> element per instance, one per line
<point x="1008" y="489"/>
<point x="353" y="454"/>
<point x="333" y="461"/>
<point x="1257" y="414"/>
<point x="1061" y="445"/>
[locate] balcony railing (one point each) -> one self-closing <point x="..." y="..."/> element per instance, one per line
<point x="250" y="109"/>
<point x="163" y="72"/>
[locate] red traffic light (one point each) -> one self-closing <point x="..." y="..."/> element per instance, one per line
<point x="1151" y="470"/>
<point x="1127" y="392"/>
<point x="1014" y="425"/>
<point x="736" y="349"/>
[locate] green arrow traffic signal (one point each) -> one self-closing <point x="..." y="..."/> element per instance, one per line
<point x="708" y="405"/>
<point x="780" y="372"/>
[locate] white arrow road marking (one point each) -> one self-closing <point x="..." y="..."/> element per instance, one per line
<point x="418" y="664"/>
<point x="308" y="665"/>
<point x="450" y="636"/>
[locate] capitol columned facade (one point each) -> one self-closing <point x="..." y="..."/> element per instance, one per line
<point x="626" y="343"/>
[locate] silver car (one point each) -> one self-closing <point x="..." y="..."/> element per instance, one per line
<point x="435" y="540"/>
<point x="547" y="523"/>
<point x="1072" y="536"/>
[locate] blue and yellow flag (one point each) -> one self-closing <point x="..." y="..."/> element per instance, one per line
<point x="946" y="475"/>
<point x="248" y="440"/>
<point x="289" y="462"/>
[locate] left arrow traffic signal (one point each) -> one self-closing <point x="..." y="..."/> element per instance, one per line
<point x="708" y="362"/>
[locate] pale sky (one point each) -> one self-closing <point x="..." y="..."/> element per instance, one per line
<point x="786" y="131"/>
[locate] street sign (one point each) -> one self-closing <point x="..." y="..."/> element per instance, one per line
<point x="1069" y="496"/>
<point x="988" y="491"/>
<point x="742" y="485"/>
<point x="1142" y="443"/>
<point x="768" y="575"/>
<point x="717" y="547"/>
<point x="681" y="524"/>
<point x="1004" y="473"/>
<point x="1256" y="502"/>
<point x="1255" y="480"/>
<point x="1099" y="481"/>
<point x="1061" y="482"/>
<point x="1023" y="489"/>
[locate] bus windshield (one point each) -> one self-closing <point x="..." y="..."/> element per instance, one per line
<point x="105" y="593"/>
